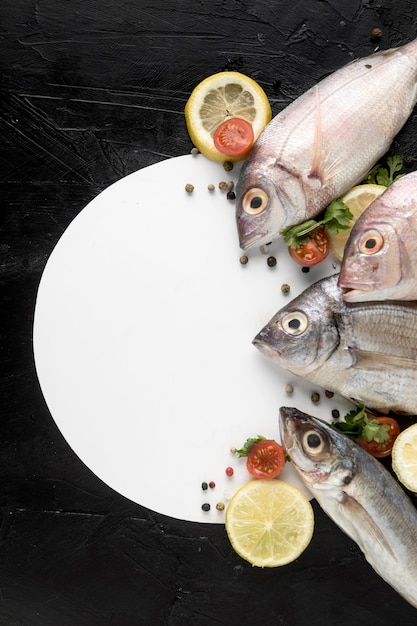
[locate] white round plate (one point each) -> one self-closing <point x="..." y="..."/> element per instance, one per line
<point x="143" y="335"/>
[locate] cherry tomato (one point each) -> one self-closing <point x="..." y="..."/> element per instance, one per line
<point x="266" y="459"/>
<point x="234" y="137"/>
<point x="314" y="251"/>
<point x="381" y="450"/>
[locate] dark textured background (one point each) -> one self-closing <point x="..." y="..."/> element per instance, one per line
<point x="92" y="91"/>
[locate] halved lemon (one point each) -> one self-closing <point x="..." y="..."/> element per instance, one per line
<point x="357" y="200"/>
<point x="404" y="457"/>
<point x="269" y="522"/>
<point x="221" y="97"/>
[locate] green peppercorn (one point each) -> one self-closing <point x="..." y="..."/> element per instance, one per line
<point x="223" y="185"/>
<point x="315" y="397"/>
<point x="228" y="166"/>
<point x="271" y="260"/>
<point x="220" y="506"/>
<point x="329" y="394"/>
<point x="189" y="188"/>
<point x="285" y="288"/>
<point x="243" y="259"/>
<point x="376" y="34"/>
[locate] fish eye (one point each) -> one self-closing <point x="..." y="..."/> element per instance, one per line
<point x="370" y="242"/>
<point x="294" y="323"/>
<point x="255" y="201"/>
<point x="313" y="442"/>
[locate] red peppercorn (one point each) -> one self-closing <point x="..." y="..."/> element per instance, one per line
<point x="212" y="484"/>
<point x="229" y="471"/>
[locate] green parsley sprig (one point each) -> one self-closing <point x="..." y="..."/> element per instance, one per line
<point x="248" y="444"/>
<point x="383" y="176"/>
<point x="336" y="217"/>
<point x="357" y="424"/>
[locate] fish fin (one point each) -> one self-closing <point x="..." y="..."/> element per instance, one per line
<point x="321" y="170"/>
<point x="378" y="361"/>
<point x="367" y="523"/>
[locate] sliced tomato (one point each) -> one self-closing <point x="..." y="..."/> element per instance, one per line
<point x="266" y="459"/>
<point x="381" y="450"/>
<point x="234" y="137"/>
<point x="314" y="251"/>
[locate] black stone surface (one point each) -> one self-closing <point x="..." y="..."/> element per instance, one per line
<point x="92" y="91"/>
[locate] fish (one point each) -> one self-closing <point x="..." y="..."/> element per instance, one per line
<point x="324" y="142"/>
<point x="379" y="260"/>
<point x="365" y="352"/>
<point x="359" y="494"/>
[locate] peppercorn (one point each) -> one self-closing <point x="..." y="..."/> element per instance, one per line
<point x="211" y="187"/>
<point x="233" y="450"/>
<point x="285" y="288"/>
<point x="206" y="507"/>
<point x="329" y="394"/>
<point x="204" y="486"/>
<point x="230" y="184"/>
<point x="243" y="259"/>
<point x="376" y="34"/>
<point x="189" y="188"/>
<point x="220" y="506"/>
<point x="194" y="151"/>
<point x="315" y="397"/>
<point x="228" y="166"/>
<point x="229" y="471"/>
<point x="231" y="195"/>
<point x="212" y="484"/>
<point x="223" y="185"/>
<point x="271" y="260"/>
<point x="305" y="269"/>
<point x="289" y="389"/>
<point x="335" y="414"/>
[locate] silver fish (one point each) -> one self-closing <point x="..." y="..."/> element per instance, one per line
<point x="379" y="261"/>
<point x="362" y="351"/>
<point x="324" y="142"/>
<point x="358" y="494"/>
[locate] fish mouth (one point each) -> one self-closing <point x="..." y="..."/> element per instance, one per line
<point x="260" y="343"/>
<point x="357" y="293"/>
<point x="250" y="242"/>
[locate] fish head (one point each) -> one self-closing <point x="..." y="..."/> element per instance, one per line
<point x="269" y="197"/>
<point x="302" y="335"/>
<point x="323" y="457"/>
<point x="373" y="264"/>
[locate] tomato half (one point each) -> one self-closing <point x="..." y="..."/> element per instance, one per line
<point x="381" y="450"/>
<point x="314" y="251"/>
<point x="266" y="459"/>
<point x="234" y="137"/>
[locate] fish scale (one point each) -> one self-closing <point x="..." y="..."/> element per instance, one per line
<point x="324" y="142"/>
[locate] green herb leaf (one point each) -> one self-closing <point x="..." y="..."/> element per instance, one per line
<point x="248" y="444"/>
<point x="336" y="217"/>
<point x="357" y="424"/>
<point x="383" y="176"/>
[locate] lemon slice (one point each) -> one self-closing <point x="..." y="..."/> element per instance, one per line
<point x="220" y="97"/>
<point x="404" y="457"/>
<point x="357" y="200"/>
<point x="269" y="522"/>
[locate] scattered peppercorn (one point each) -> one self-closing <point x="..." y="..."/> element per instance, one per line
<point x="315" y="397"/>
<point x="194" y="151"/>
<point x="289" y="388"/>
<point x="204" y="486"/>
<point x="230" y="184"/>
<point x="233" y="450"/>
<point x="228" y="166"/>
<point x="211" y="187"/>
<point x="243" y="259"/>
<point x="329" y="394"/>
<point x="231" y="195"/>
<point x="212" y="484"/>
<point x="264" y="249"/>
<point x="220" y="506"/>
<point x="336" y="414"/>
<point x="305" y="269"/>
<point x="222" y="185"/>
<point x="189" y="188"/>
<point x="285" y="288"/>
<point x="271" y="260"/>
<point x="229" y="471"/>
<point x="376" y="34"/>
<point x="206" y="507"/>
